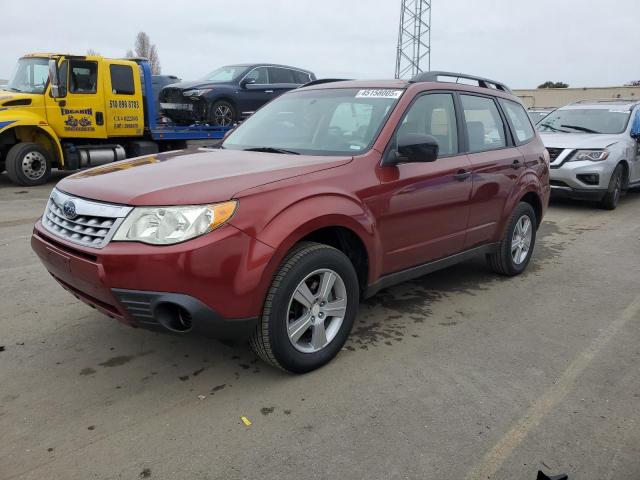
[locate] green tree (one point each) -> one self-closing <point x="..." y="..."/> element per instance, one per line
<point x="550" y="84"/>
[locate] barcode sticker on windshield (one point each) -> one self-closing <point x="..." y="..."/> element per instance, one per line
<point x="378" y="93"/>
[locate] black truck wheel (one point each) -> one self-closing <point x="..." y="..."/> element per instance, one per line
<point x="28" y="164"/>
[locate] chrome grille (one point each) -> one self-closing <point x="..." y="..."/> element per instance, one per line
<point x="86" y="222"/>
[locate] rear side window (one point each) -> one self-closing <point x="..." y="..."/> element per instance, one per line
<point x="281" y="75"/>
<point x="83" y="76"/>
<point x="122" y="79"/>
<point x="301" y="77"/>
<point x="433" y="114"/>
<point x="483" y="122"/>
<point x="519" y="119"/>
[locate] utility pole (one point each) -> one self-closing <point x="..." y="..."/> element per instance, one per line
<point x="414" y="38"/>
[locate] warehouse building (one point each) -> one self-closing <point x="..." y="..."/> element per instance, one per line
<point x="557" y="97"/>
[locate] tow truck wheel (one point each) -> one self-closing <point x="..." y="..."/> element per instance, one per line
<point x="28" y="164"/>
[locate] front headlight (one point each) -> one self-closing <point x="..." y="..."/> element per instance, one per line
<point x="196" y="92"/>
<point x="168" y="225"/>
<point x="591" y="155"/>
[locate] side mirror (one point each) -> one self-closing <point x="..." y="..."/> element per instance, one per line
<point x="54" y="79"/>
<point x="413" y="148"/>
<point x="247" y="81"/>
<point x="635" y="126"/>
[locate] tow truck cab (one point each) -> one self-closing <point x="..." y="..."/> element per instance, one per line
<point x="73" y="112"/>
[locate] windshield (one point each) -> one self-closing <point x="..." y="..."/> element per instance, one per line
<point x="317" y="122"/>
<point x="585" y="120"/>
<point x="537" y="116"/>
<point x="225" y="74"/>
<point x="30" y="75"/>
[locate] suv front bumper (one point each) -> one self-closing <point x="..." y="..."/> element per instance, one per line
<point x="205" y="279"/>
<point x="581" y="180"/>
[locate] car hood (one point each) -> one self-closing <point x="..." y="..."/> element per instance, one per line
<point x="190" y="177"/>
<point x="578" y="140"/>
<point x="195" y="84"/>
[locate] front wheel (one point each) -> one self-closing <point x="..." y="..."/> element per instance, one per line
<point x="223" y="114"/>
<point x="28" y="164"/>
<point x="309" y="310"/>
<point x="612" y="197"/>
<point x="515" y="249"/>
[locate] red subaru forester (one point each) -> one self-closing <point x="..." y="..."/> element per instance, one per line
<point x="324" y="196"/>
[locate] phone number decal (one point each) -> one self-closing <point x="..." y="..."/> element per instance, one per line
<point x="124" y="104"/>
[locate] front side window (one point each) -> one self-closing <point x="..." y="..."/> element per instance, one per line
<point x="30" y="75"/>
<point x="485" y="128"/>
<point x="259" y="75"/>
<point x="519" y="119"/>
<point x="433" y="114"/>
<point x="612" y="120"/>
<point x="83" y="76"/>
<point x="338" y="121"/>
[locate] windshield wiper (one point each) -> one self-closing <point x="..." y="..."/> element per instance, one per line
<point x="580" y="129"/>
<point x="552" y="128"/>
<point x="271" y="150"/>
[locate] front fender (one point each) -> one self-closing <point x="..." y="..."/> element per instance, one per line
<point x="288" y="226"/>
<point x="27" y="126"/>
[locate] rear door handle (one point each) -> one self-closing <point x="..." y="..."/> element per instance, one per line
<point x="462" y="175"/>
<point x="516" y="164"/>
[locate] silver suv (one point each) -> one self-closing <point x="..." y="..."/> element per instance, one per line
<point x="594" y="149"/>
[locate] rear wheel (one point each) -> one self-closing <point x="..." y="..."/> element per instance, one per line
<point x="28" y="164"/>
<point x="222" y="114"/>
<point x="515" y="249"/>
<point x="309" y="310"/>
<point x="612" y="197"/>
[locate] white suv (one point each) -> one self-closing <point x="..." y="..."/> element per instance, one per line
<point x="594" y="149"/>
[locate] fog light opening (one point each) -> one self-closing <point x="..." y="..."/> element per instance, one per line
<point x="173" y="317"/>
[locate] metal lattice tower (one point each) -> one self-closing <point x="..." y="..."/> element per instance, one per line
<point x="414" y="38"/>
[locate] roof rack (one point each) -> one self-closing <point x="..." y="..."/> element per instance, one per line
<point x="482" y="82"/>
<point x="608" y="100"/>
<point x="325" y="80"/>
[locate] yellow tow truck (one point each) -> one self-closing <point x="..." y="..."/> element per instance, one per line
<point x="71" y="112"/>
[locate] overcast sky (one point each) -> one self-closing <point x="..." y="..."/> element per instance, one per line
<point x="520" y="42"/>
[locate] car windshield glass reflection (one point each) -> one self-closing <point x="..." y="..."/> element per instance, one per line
<point x="586" y="120"/>
<point x="321" y="122"/>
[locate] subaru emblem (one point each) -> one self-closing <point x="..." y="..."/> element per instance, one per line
<point x="69" y="209"/>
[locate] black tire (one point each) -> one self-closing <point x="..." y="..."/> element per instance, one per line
<point x="222" y="114"/>
<point x="502" y="261"/>
<point x="28" y="164"/>
<point x="270" y="341"/>
<point x="616" y="182"/>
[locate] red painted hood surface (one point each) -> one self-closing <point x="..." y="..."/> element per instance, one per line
<point x="191" y="176"/>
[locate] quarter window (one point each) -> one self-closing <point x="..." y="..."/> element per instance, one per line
<point x="122" y="79"/>
<point x="519" y="119"/>
<point x="433" y="114"/>
<point x="83" y="76"/>
<point x="301" y="77"/>
<point x="485" y="128"/>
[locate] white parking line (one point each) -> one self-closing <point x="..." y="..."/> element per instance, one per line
<point x="495" y="458"/>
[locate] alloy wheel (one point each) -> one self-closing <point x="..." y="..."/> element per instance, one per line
<point x="521" y="239"/>
<point x="316" y="310"/>
<point x="223" y="116"/>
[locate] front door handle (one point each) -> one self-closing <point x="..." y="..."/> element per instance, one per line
<point x="516" y="164"/>
<point x="462" y="175"/>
